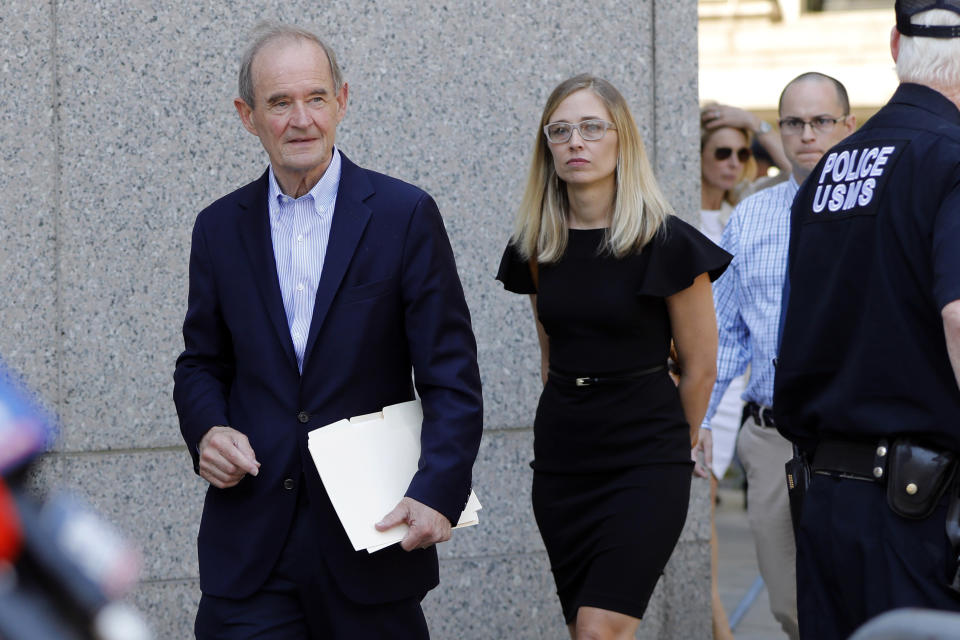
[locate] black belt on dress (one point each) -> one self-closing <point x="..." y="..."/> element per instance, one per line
<point x="763" y="416"/>
<point x="625" y="376"/>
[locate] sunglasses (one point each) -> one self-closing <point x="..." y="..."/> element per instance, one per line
<point x="722" y="153"/>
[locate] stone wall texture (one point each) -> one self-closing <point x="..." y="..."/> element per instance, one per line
<point x="117" y="127"/>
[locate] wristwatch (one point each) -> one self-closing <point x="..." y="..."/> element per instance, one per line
<point x="763" y="127"/>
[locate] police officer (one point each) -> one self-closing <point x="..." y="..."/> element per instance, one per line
<point x="868" y="377"/>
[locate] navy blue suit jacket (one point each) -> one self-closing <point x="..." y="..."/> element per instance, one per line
<point x="389" y="301"/>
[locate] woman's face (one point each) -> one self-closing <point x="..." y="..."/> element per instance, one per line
<point x="723" y="174"/>
<point x="578" y="161"/>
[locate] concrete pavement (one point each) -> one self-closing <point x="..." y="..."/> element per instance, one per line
<point x="738" y="570"/>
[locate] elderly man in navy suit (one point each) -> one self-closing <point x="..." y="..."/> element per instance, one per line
<point x="316" y="292"/>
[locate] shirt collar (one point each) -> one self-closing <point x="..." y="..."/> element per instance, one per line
<point x="926" y="98"/>
<point x="792" y="181"/>
<point x="324" y="193"/>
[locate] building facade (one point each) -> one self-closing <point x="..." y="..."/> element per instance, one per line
<point x="117" y="127"/>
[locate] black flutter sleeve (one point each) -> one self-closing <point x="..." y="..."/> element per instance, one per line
<point x="678" y="255"/>
<point x="514" y="272"/>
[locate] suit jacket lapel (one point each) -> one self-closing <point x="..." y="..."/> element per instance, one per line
<point x="350" y="217"/>
<point x="258" y="243"/>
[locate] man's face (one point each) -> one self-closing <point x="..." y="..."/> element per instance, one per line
<point x="295" y="112"/>
<point x="812" y="100"/>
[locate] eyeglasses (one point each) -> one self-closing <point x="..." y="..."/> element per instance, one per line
<point x="820" y="124"/>
<point x="558" y="132"/>
<point x="722" y="153"/>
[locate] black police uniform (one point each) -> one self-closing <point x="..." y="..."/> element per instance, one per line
<point x="874" y="257"/>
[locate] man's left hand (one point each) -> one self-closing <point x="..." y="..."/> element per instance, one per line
<point x="427" y="526"/>
<point x="705" y="446"/>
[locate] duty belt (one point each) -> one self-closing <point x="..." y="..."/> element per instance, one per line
<point x="916" y="476"/>
<point x="849" y="459"/>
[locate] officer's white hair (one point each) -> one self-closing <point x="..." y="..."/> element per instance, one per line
<point x="931" y="61"/>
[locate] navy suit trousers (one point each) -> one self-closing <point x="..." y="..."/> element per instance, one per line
<point x="301" y="601"/>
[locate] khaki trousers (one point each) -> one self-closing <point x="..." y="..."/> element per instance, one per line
<point x="763" y="453"/>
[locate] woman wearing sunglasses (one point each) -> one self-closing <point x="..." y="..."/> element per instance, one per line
<point x="725" y="162"/>
<point x="727" y="171"/>
<point x="612" y="277"/>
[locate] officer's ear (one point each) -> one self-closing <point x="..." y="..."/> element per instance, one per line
<point x="894" y="43"/>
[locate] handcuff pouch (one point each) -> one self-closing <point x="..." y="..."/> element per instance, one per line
<point x="917" y="477"/>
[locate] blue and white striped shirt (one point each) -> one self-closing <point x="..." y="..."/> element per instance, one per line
<point x="300" y="230"/>
<point x="747" y="296"/>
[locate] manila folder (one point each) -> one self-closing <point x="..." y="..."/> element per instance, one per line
<point x="366" y="464"/>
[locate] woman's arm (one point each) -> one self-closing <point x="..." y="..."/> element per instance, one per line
<point x="694" y="327"/>
<point x="715" y="116"/>
<point x="543" y="339"/>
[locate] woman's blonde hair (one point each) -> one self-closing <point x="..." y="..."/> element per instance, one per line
<point x="640" y="208"/>
<point x="733" y="195"/>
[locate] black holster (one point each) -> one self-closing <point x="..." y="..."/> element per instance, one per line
<point x="798" y="479"/>
<point x="917" y="478"/>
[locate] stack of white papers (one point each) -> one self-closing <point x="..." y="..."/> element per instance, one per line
<point x="366" y="464"/>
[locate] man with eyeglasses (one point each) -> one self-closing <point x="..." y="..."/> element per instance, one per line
<point x="868" y="375"/>
<point x="814" y="115"/>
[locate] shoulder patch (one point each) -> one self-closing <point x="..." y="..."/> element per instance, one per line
<point x="850" y="179"/>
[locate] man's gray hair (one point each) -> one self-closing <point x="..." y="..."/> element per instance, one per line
<point x="269" y="31"/>
<point x="934" y="62"/>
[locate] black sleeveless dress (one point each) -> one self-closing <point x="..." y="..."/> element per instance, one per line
<point x="611" y="461"/>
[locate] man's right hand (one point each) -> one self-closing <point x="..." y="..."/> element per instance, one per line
<point x="225" y="457"/>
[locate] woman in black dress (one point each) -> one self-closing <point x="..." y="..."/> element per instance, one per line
<point x="612" y="277"/>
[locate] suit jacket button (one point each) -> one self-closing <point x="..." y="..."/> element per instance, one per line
<point x="288" y="484"/>
<point x="303" y="417"/>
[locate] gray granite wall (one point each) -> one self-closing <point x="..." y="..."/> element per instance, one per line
<point x="116" y="127"/>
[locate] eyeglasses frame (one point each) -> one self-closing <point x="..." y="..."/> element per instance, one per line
<point x="810" y="122"/>
<point x="606" y="126"/>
